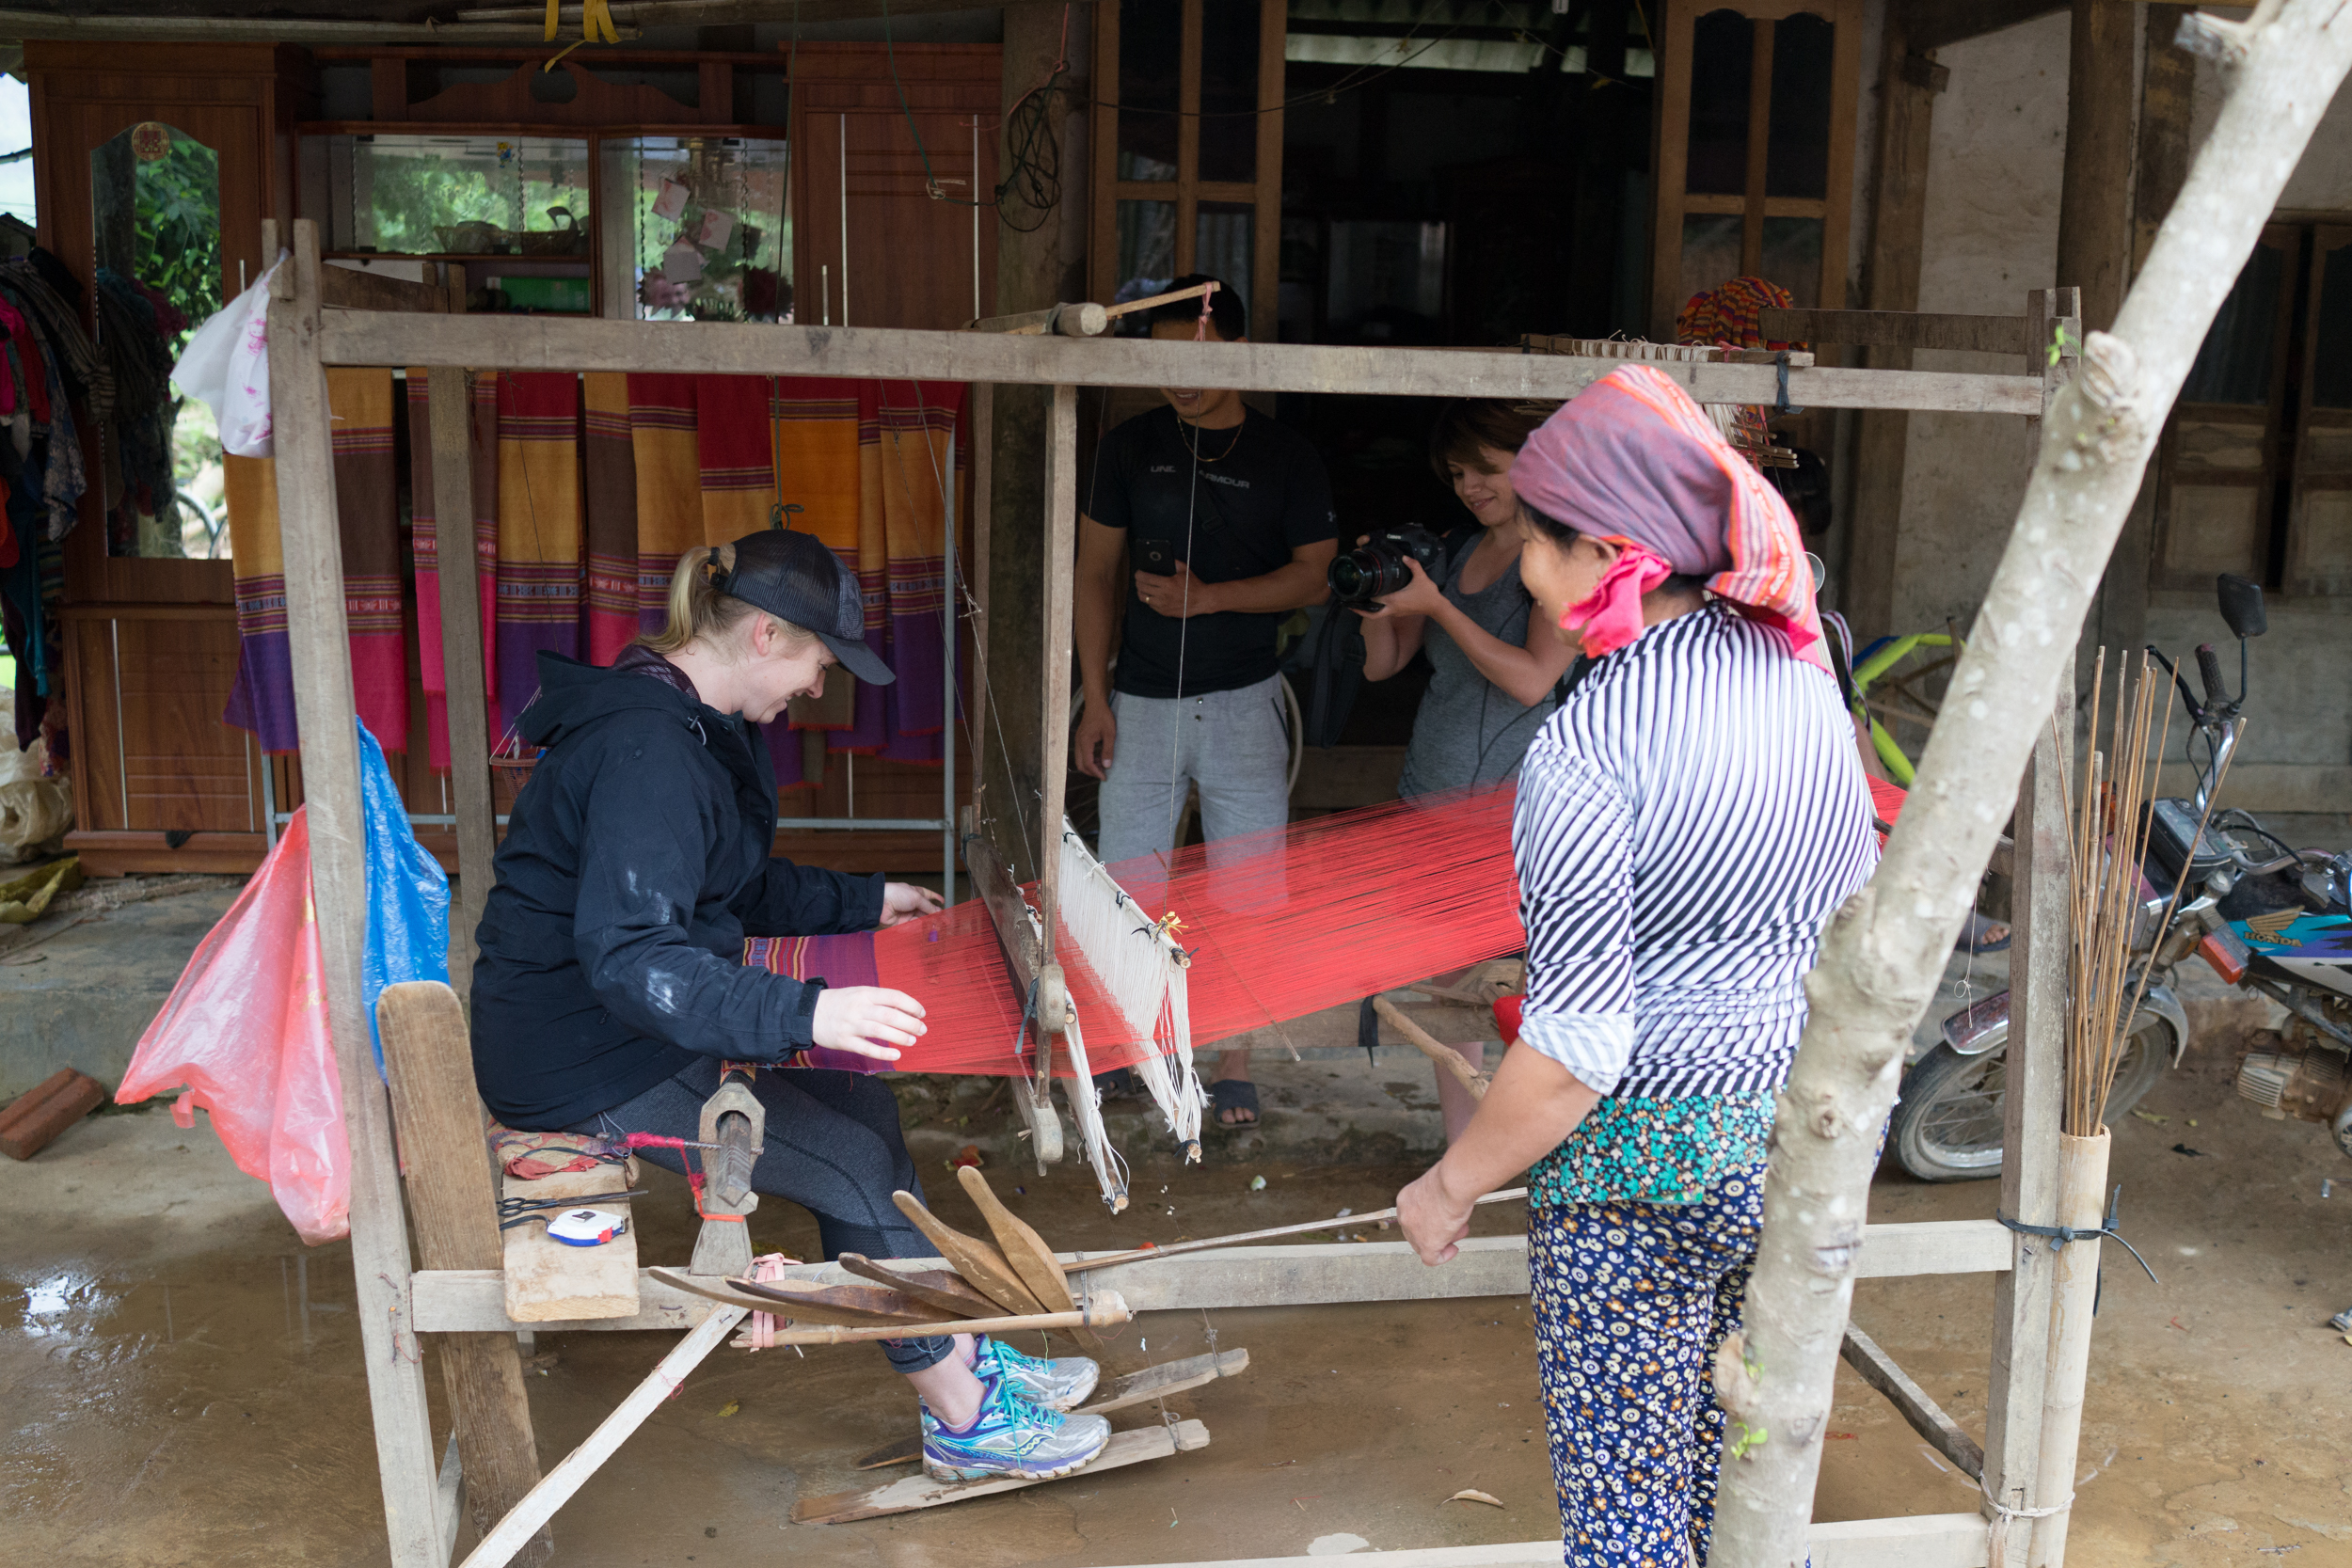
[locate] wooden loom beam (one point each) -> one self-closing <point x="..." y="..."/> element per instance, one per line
<point x="462" y="1300"/>
<point x="584" y="344"/>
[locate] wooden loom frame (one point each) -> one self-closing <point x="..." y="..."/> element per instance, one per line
<point x="378" y="323"/>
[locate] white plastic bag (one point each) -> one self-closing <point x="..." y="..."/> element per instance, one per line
<point x="225" y="367"/>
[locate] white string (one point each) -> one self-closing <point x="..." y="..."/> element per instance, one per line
<point x="1996" y="1528"/>
<point x="1142" y="970"/>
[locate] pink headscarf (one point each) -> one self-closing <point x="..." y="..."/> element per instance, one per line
<point x="1633" y="462"/>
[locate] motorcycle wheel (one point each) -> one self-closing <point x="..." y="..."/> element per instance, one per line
<point x="1948" y="1126"/>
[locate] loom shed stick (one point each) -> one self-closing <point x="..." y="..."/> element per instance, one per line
<point x="1153" y="1382"/>
<point x="1102" y="1306"/>
<point x="983" y="1266"/>
<point x="1452" y="1061"/>
<point x="943" y="1289"/>
<point x="851" y="1306"/>
<point x="1023" y="1248"/>
<point x="1174" y="1249"/>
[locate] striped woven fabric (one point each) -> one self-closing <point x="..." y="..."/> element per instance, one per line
<point x="539" y="568"/>
<point x="844" y="960"/>
<point x="820" y="491"/>
<point x="609" y="466"/>
<point x="367" y="507"/>
<point x="907" y="456"/>
<point x="738" y="471"/>
<point x="263" y="699"/>
<point x="669" y="486"/>
<point x="1687" y="823"/>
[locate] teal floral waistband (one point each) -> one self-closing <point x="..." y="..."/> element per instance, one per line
<point x="1635" y="1151"/>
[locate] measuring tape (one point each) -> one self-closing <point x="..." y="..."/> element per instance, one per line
<point x="586" y="1227"/>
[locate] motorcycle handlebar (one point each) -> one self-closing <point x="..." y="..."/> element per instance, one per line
<point x="2209" y="671"/>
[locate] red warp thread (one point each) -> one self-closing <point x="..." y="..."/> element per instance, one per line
<point x="1279" y="924"/>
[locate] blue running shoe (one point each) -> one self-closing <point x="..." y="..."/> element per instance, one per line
<point x="1011" y="1438"/>
<point x="1061" y="1384"/>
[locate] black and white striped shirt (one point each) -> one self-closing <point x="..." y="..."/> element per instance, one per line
<point x="1687" y="822"/>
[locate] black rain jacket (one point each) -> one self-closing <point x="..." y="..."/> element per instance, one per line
<point x="635" y="865"/>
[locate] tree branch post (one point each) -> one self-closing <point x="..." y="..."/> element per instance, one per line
<point x="1884" y="949"/>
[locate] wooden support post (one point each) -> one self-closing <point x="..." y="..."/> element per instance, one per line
<point x="319" y="640"/>
<point x="430" y="1063"/>
<point x="1062" y="572"/>
<point x="2034" y="1077"/>
<point x="983" y="512"/>
<point x="461" y="657"/>
<point x="1908" y="84"/>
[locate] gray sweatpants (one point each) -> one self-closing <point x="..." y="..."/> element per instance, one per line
<point x="1234" y="745"/>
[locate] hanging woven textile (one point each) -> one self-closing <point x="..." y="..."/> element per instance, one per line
<point x="539" y="532"/>
<point x="609" y="467"/>
<point x="818" y="490"/>
<point x="367" y="512"/>
<point x="427" y="538"/>
<point x="366" y="509"/>
<point x="907" y="465"/>
<point x="667" y="475"/>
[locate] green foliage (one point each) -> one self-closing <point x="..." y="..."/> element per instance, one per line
<point x="177" y="211"/>
<point x="1746" y="1438"/>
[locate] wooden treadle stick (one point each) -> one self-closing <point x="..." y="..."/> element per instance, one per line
<point x="1175" y="1248"/>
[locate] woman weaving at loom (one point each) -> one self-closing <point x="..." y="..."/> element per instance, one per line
<point x="1686" y="823"/>
<point x="612" y="981"/>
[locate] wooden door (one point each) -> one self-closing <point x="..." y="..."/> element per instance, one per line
<point x="873" y="246"/>
<point x="2319" y="513"/>
<point x="2219" y="463"/>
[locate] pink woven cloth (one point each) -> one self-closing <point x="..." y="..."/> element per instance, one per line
<point x="764" y="1325"/>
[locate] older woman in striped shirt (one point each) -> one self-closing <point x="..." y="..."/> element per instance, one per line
<point x="1686" y="824"/>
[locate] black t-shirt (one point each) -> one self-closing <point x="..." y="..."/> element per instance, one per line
<point x="1256" y="493"/>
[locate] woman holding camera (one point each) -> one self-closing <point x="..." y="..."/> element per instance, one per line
<point x="1686" y="825"/>
<point x="1494" y="666"/>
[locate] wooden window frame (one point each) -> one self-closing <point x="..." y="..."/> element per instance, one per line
<point x="1189" y="190"/>
<point x="1670" y="144"/>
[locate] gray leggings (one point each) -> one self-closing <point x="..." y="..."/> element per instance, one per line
<point x="832" y="1146"/>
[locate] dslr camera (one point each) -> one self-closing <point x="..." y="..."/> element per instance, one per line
<point x="1376" y="566"/>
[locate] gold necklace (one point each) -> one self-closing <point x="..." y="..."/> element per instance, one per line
<point x="1192" y="442"/>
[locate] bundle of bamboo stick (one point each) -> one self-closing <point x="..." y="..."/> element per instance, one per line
<point x="2106" y="826"/>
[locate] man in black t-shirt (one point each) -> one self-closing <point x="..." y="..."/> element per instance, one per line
<point x="1226" y="523"/>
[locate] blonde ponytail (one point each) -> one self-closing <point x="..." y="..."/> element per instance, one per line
<point x="698" y="612"/>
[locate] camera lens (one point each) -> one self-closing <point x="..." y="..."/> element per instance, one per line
<point x="1352" y="576"/>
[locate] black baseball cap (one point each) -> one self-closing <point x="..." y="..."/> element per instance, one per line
<point x="794" y="576"/>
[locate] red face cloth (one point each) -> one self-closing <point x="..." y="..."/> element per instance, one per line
<point x="1612" y="617"/>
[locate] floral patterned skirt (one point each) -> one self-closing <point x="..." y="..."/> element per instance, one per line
<point x="1631" y="1300"/>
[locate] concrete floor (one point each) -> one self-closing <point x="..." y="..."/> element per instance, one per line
<point x="180" y="1381"/>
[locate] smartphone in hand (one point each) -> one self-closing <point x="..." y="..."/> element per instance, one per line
<point x="1156" y="556"/>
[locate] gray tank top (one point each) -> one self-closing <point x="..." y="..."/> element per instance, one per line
<point x="1469" y="730"/>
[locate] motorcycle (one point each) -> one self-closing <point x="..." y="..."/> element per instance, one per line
<point x="2267" y="918"/>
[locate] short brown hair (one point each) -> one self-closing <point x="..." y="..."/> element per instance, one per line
<point x="1466" y="424"/>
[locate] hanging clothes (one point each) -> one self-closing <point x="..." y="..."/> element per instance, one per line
<point x="736" y="466"/>
<point x="609" y="467"/>
<point x="539" y="539"/>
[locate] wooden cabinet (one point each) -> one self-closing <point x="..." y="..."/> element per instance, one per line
<point x="150" y="644"/>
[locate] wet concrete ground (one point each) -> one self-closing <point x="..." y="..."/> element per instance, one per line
<point x="180" y="1381"/>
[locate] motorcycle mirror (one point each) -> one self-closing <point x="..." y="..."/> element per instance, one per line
<point x="1820" y="569"/>
<point x="2241" y="606"/>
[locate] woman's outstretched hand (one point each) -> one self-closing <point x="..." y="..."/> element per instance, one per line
<point x="903" y="901"/>
<point x="1432" y="1218"/>
<point x="868" y="1020"/>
